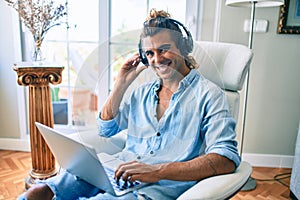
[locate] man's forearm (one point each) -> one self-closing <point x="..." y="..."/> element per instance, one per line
<point x="127" y="74"/>
<point x="111" y="106"/>
<point x="197" y="169"/>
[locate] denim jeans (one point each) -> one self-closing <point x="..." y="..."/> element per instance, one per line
<point x="66" y="186"/>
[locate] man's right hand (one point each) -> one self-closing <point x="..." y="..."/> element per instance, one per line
<point x="129" y="71"/>
<point x="127" y="74"/>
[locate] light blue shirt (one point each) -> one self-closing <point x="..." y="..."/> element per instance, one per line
<point x="196" y="122"/>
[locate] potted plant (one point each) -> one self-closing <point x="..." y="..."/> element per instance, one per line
<point x="59" y="107"/>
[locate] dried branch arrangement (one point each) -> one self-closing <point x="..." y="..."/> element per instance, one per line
<point x="39" y="16"/>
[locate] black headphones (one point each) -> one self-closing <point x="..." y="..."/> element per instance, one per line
<point x="186" y="45"/>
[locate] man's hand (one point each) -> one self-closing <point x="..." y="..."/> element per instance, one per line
<point x="137" y="171"/>
<point x="130" y="70"/>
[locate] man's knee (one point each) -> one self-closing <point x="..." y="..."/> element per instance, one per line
<point x="39" y="191"/>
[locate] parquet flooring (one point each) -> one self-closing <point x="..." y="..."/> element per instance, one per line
<point x="15" y="167"/>
<point x="267" y="190"/>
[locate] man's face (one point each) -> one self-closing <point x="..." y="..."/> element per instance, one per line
<point x="163" y="56"/>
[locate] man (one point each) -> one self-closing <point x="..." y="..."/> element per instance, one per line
<point x="179" y="127"/>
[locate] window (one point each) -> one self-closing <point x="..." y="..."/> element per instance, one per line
<point x="92" y="46"/>
<point x="74" y="100"/>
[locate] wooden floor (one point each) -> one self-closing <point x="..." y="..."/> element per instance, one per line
<point x="267" y="189"/>
<point x="15" y="167"/>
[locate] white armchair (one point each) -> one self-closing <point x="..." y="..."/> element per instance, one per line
<point x="226" y="65"/>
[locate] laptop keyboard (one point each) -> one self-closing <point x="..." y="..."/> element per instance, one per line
<point x="119" y="185"/>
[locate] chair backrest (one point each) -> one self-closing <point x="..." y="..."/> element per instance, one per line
<point x="225" y="64"/>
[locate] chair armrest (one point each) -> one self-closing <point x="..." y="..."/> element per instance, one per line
<point x="219" y="187"/>
<point x="109" y="145"/>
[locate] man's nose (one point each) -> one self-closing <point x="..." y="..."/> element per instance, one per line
<point x="157" y="58"/>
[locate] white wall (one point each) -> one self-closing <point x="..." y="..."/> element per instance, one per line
<point x="9" y="53"/>
<point x="12" y="129"/>
<point x="273" y="112"/>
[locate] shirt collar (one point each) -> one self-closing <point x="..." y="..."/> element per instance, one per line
<point x="188" y="79"/>
<point x="185" y="82"/>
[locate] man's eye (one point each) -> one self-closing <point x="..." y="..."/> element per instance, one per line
<point x="149" y="53"/>
<point x="163" y="50"/>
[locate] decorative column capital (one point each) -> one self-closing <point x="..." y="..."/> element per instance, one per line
<point x="38" y="75"/>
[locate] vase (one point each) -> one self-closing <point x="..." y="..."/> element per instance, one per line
<point x="37" y="55"/>
<point x="37" y="52"/>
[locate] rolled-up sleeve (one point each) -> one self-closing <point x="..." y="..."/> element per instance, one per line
<point x="107" y="128"/>
<point x="219" y="129"/>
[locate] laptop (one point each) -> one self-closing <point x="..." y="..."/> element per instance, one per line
<point x="82" y="161"/>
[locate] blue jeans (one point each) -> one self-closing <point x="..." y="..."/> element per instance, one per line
<point x="66" y="186"/>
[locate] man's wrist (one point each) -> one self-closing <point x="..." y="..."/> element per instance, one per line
<point x="162" y="171"/>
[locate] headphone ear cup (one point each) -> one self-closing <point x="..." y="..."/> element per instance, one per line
<point x="189" y="44"/>
<point x="144" y="60"/>
<point x="186" y="46"/>
<point x="142" y="55"/>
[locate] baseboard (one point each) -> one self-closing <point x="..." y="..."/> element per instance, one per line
<point x="14" y="144"/>
<point x="269" y="160"/>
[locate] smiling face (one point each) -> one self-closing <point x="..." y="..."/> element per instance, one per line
<point x="164" y="57"/>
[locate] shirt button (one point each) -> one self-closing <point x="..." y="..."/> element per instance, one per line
<point x="138" y="157"/>
<point x="151" y="152"/>
<point x="158" y="134"/>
